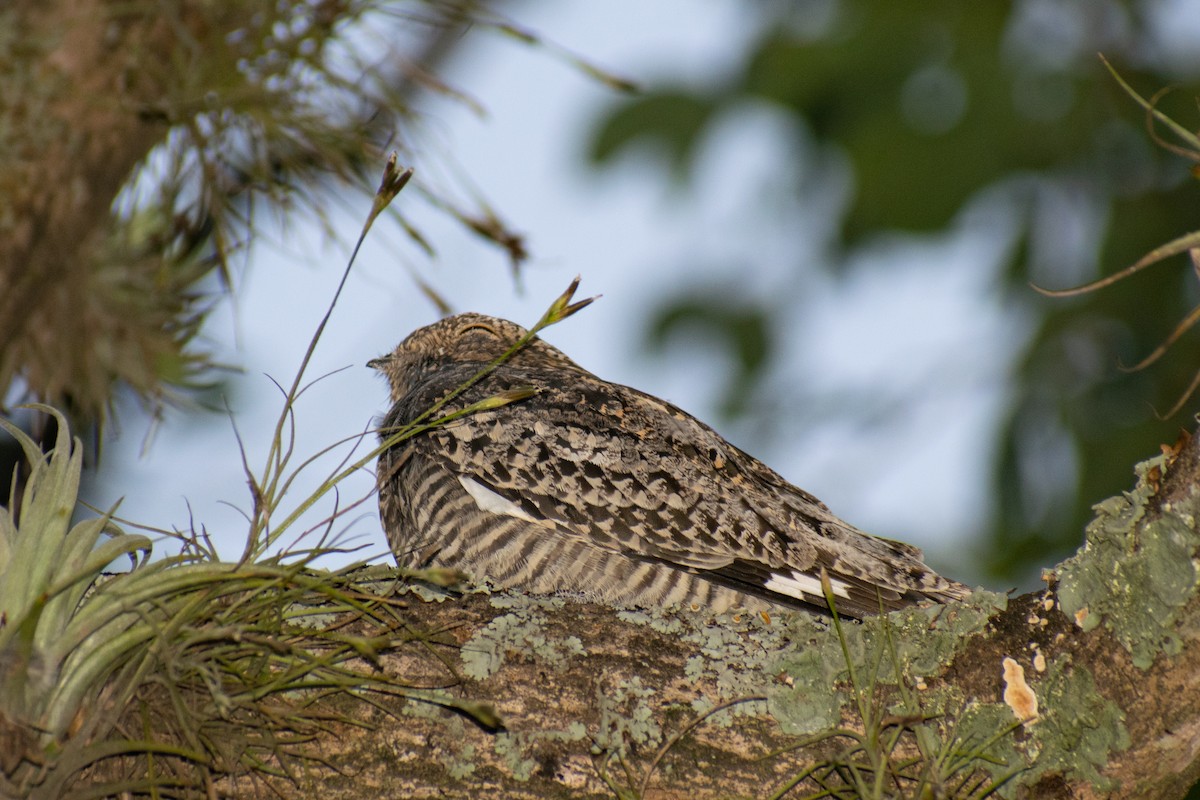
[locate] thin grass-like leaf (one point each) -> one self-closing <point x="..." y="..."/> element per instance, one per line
<point x="1183" y="244"/>
<point x="1180" y="131"/>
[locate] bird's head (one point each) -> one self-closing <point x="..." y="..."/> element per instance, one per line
<point x="463" y="338"/>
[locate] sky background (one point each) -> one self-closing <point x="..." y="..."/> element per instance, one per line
<point x="925" y="324"/>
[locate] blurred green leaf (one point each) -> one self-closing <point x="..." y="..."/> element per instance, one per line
<point x="669" y="121"/>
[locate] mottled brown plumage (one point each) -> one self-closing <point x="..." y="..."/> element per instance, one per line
<point x="597" y="489"/>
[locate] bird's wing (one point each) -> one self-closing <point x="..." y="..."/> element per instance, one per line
<point x="632" y="474"/>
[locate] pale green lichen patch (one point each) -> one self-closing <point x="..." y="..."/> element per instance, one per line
<point x="734" y="652"/>
<point x="904" y="646"/>
<point x="428" y="593"/>
<point x="461" y="764"/>
<point x="1078" y="728"/>
<point x="459" y="761"/>
<point x="921" y="642"/>
<point x="794" y="658"/>
<point x="804" y="699"/>
<point x="804" y="704"/>
<point x="1133" y="576"/>
<point x="514" y="747"/>
<point x="739" y="654"/>
<point x="653" y="619"/>
<point x="522" y="630"/>
<point x="627" y="718"/>
<point x="460" y="757"/>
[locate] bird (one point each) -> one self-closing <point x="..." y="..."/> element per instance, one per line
<point x="540" y="476"/>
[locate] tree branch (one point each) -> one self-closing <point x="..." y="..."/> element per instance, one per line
<point x="589" y="696"/>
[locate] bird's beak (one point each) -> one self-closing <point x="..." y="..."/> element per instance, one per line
<point x="378" y="363"/>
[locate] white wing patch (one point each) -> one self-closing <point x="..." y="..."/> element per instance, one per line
<point x="489" y="501"/>
<point x="798" y="584"/>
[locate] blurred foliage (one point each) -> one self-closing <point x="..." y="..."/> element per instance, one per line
<point x="933" y="104"/>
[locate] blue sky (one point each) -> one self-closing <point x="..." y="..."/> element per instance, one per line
<point x="926" y="326"/>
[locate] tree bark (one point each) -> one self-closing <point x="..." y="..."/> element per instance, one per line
<point x="597" y="702"/>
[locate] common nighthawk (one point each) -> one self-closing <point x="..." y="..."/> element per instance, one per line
<point x="597" y="489"/>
